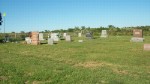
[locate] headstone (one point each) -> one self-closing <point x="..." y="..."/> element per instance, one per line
<point x="104" y="33"/>
<point x="89" y="35"/>
<point x="68" y="38"/>
<point x="79" y="34"/>
<point x="41" y="36"/>
<point x="7" y="38"/>
<point x="146" y="46"/>
<point x="54" y="36"/>
<point x="50" y="41"/>
<point x="64" y="35"/>
<point x="137" y="35"/>
<point x="35" y="38"/>
<point x="28" y="40"/>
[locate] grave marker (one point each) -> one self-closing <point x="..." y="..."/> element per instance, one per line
<point x="50" y="41"/>
<point x="104" y="33"/>
<point x="41" y="36"/>
<point x="137" y="35"/>
<point x="79" y="34"/>
<point x="147" y="47"/>
<point x="64" y="35"/>
<point x="28" y="40"/>
<point x="54" y="36"/>
<point x="68" y="38"/>
<point x="89" y="35"/>
<point x="35" y="38"/>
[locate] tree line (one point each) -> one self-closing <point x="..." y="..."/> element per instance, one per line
<point x="111" y="29"/>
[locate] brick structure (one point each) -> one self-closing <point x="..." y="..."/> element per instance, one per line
<point x="35" y="38"/>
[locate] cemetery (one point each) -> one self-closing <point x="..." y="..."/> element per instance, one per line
<point x="75" y="42"/>
<point x="124" y="59"/>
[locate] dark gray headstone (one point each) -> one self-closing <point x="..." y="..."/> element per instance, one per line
<point x="7" y="38"/>
<point x="89" y="35"/>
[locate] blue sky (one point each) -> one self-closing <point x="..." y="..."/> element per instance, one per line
<point x="39" y="15"/>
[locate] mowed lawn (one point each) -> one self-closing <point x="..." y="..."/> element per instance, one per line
<point x="113" y="60"/>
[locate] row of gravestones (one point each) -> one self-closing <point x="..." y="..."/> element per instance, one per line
<point x="54" y="38"/>
<point x="36" y="37"/>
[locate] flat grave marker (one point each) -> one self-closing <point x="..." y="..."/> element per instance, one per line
<point x="147" y="47"/>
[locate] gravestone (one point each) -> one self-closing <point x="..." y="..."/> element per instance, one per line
<point x="50" y="41"/>
<point x="147" y="47"/>
<point x="7" y="38"/>
<point x="68" y="38"/>
<point x="28" y="40"/>
<point x="104" y="33"/>
<point x="35" y="38"/>
<point x="89" y="35"/>
<point x="64" y="35"/>
<point x="137" y="35"/>
<point x="54" y="36"/>
<point x="79" y="34"/>
<point x="41" y="36"/>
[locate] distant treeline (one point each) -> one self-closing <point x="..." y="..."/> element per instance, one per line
<point x="112" y="31"/>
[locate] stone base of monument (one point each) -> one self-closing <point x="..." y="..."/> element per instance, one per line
<point x="147" y="47"/>
<point x="135" y="39"/>
<point x="35" y="42"/>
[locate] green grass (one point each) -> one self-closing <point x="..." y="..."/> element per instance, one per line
<point x="112" y="60"/>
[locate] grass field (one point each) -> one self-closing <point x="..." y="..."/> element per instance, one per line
<point x="113" y="60"/>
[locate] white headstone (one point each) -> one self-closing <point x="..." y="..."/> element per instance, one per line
<point x="104" y="33"/>
<point x="64" y="35"/>
<point x="68" y="38"/>
<point x="54" y="36"/>
<point x="79" y="34"/>
<point x="41" y="36"/>
<point x="50" y="41"/>
<point x="89" y="35"/>
<point x="28" y="40"/>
